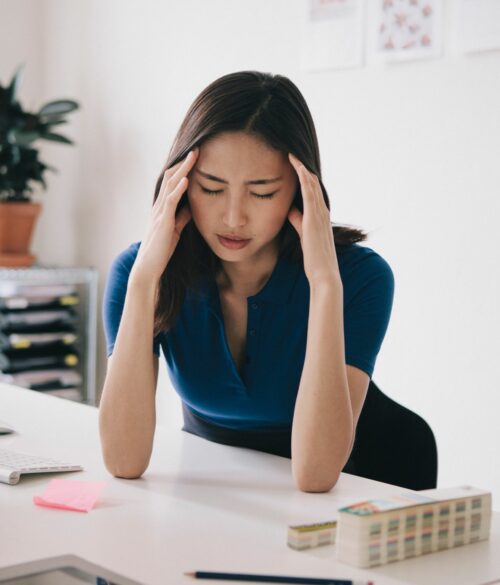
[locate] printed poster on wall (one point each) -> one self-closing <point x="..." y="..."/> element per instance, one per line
<point x="404" y="30"/>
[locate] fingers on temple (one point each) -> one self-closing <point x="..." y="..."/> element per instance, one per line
<point x="175" y="173"/>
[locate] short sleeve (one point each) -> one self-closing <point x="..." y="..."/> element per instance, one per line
<point x="367" y="311"/>
<point x="114" y="297"/>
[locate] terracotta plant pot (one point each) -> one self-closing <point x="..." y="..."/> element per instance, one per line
<point x="17" y="222"/>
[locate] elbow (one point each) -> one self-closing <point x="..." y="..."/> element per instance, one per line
<point x="315" y="477"/>
<point x="123" y="467"/>
<point x="119" y="462"/>
<point x="310" y="484"/>
<point x="125" y="473"/>
<point x="132" y="475"/>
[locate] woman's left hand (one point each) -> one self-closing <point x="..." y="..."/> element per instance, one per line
<point x="314" y="228"/>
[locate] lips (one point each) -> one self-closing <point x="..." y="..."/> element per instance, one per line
<point x="234" y="238"/>
<point x="231" y="243"/>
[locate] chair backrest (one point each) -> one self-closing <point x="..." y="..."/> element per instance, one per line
<point x="393" y="444"/>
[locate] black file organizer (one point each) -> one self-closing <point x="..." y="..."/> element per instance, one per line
<point x="48" y="330"/>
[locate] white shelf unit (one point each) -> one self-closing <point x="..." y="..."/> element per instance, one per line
<point x="85" y="282"/>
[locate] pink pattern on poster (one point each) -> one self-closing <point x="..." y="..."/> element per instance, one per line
<point x="405" y="24"/>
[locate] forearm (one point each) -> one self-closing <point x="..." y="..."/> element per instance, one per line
<point x="127" y="416"/>
<point x="322" y="430"/>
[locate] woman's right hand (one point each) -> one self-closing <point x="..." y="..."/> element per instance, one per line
<point x="165" y="227"/>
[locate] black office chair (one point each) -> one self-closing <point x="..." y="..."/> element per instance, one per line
<point x="393" y="444"/>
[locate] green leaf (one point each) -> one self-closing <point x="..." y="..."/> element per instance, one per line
<point x="14" y="84"/>
<point x="21" y="137"/>
<point x="56" y="123"/>
<point x="58" y="107"/>
<point x="57" y="138"/>
<point x="50" y="118"/>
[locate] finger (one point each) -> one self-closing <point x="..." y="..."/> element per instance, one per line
<point x="297" y="163"/>
<point x="184" y="169"/>
<point x="309" y="182"/>
<point x="300" y="169"/>
<point x="294" y="161"/>
<point x="166" y="175"/>
<point x="305" y="185"/>
<point x="170" y="172"/>
<point x="172" y="198"/>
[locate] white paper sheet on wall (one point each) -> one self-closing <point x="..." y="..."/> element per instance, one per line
<point x="480" y="25"/>
<point x="332" y="35"/>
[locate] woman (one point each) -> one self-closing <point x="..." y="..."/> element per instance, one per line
<point x="270" y="320"/>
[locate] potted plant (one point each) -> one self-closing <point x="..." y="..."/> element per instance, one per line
<point x="20" y="165"/>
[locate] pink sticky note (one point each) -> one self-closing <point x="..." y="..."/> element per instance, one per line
<point x="70" y="494"/>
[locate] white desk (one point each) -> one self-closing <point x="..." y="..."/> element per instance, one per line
<point x="199" y="506"/>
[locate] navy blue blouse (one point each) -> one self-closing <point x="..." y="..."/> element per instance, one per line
<point x="262" y="398"/>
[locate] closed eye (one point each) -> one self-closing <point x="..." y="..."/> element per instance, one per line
<point x="259" y="196"/>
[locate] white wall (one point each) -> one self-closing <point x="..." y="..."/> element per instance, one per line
<point x="409" y="152"/>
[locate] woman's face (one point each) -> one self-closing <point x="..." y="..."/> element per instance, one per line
<point x="224" y="198"/>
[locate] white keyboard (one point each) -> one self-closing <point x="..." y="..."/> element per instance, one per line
<point x="12" y="464"/>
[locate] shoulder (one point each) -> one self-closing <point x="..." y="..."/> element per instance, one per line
<point x="361" y="264"/>
<point x="126" y="258"/>
<point x="121" y="266"/>
<point x="367" y="278"/>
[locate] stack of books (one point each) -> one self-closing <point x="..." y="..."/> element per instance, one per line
<point x="304" y="536"/>
<point x="394" y="528"/>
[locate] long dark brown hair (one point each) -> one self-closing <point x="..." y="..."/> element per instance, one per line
<point x="268" y="107"/>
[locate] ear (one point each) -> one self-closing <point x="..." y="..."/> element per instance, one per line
<point x="183" y="218"/>
<point x="295" y="218"/>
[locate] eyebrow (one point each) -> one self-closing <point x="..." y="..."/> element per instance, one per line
<point x="254" y="182"/>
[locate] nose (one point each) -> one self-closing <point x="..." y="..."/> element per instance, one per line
<point x="234" y="213"/>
